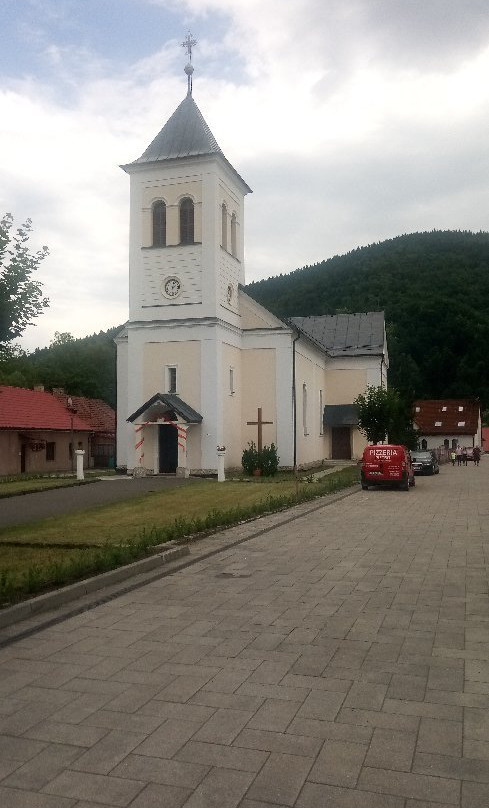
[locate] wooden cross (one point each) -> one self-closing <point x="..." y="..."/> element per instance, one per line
<point x="259" y="423"/>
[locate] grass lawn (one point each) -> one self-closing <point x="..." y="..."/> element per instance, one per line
<point x="63" y="548"/>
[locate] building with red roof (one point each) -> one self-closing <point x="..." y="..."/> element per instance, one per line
<point x="39" y="431"/>
<point x="448" y="423"/>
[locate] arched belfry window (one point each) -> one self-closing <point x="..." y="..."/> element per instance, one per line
<point x="186" y="221"/>
<point x="233" y="235"/>
<point x="159" y="224"/>
<point x="224" y="226"/>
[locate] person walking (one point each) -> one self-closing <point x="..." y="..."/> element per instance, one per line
<point x="453" y="456"/>
<point x="464" y="456"/>
<point x="476" y="454"/>
<point x="458" y="452"/>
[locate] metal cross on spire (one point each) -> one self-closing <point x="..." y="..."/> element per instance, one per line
<point x="188" y="43"/>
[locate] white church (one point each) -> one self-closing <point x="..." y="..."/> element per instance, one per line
<point x="201" y="366"/>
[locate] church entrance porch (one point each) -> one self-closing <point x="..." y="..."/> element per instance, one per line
<point x="167" y="449"/>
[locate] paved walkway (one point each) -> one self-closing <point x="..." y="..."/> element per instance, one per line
<point x="338" y="657"/>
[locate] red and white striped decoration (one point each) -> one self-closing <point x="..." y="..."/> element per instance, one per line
<point x="181" y="432"/>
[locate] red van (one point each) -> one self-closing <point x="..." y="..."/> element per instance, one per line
<point x="384" y="464"/>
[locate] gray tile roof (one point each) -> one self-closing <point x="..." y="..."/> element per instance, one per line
<point x="169" y="401"/>
<point x="345" y="334"/>
<point x="185" y="134"/>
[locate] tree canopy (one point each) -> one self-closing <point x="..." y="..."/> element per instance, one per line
<point x="21" y="297"/>
<point x="433" y="288"/>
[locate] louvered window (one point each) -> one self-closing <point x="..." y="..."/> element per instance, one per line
<point x="159" y="224"/>
<point x="186" y="221"/>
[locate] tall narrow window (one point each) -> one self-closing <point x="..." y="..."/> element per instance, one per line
<point x="171" y="379"/>
<point x="159" y="224"/>
<point x="231" y="381"/>
<point x="321" y="414"/>
<point x="304" y="408"/>
<point x="233" y="235"/>
<point x="224" y="226"/>
<point x="50" y="451"/>
<point x="186" y="221"/>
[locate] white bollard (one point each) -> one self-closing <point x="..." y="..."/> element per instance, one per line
<point x="80" y="454"/>
<point x="221" y="453"/>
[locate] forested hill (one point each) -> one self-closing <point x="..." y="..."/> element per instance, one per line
<point x="434" y="289"/>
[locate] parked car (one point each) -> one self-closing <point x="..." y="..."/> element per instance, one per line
<point x="387" y="464"/>
<point x="425" y="463"/>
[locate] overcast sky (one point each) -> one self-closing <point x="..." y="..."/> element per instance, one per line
<point x="353" y="121"/>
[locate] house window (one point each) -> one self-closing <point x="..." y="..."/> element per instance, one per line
<point x="50" y="451"/>
<point x="424" y="444"/>
<point x="231" y="381"/>
<point x="437" y="423"/>
<point x="304" y="408"/>
<point x="446" y="443"/>
<point x="321" y="414"/>
<point x="159" y="224"/>
<point x="224" y="226"/>
<point x="186" y="221"/>
<point x="171" y="379"/>
<point x="454" y="443"/>
<point x="233" y="235"/>
<point x="443" y="409"/>
<point x="460" y="409"/>
<point x="416" y="409"/>
<point x="461" y="423"/>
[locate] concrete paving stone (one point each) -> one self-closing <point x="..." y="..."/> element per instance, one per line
<point x="407" y="784"/>
<point x="157" y="770"/>
<point x="70" y="734"/>
<point x="391" y="749"/>
<point x="454" y="767"/>
<point x="428" y="709"/>
<point x="446" y="678"/>
<point x="228" y="700"/>
<point x="221" y="787"/>
<point x="338" y="764"/>
<point x="226" y="681"/>
<point x="155" y="795"/>
<point x="129" y="722"/>
<point x="330" y="730"/>
<point x="20" y="722"/>
<point x="96" y="787"/>
<point x="286" y="743"/>
<point x="274" y="715"/>
<point x="7" y="767"/>
<point x="477" y="670"/>
<point x="270" y="673"/>
<point x="12" y="798"/>
<point x="42" y="768"/>
<point x="476" y="749"/>
<point x="165" y="741"/>
<point x="273" y="691"/>
<point x="475" y="795"/>
<point x="366" y="696"/>
<point x="258" y="804"/>
<point x="181" y="689"/>
<point x="223" y="726"/>
<point x="408" y="687"/>
<point x="314" y="795"/>
<point x="321" y="704"/>
<point x="280" y="779"/>
<point x="440" y="736"/>
<point x="378" y="718"/>
<point x="224" y="757"/>
<point x="19" y="749"/>
<point x="456" y="697"/>
<point x="132" y="699"/>
<point x="82" y="706"/>
<point x="82" y="685"/>
<point x="108" y="752"/>
<point x="476" y="724"/>
<point x="174" y="709"/>
<point x="316" y="682"/>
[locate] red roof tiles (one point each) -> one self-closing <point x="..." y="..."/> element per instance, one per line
<point x="451" y="416"/>
<point x="33" y="409"/>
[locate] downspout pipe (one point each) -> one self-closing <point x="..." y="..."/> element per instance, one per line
<point x="294" y="399"/>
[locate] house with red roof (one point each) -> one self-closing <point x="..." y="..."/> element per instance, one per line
<point x="448" y="423"/>
<point x="39" y="431"/>
<point x="485" y="439"/>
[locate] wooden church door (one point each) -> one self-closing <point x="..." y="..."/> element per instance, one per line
<point x="167" y="449"/>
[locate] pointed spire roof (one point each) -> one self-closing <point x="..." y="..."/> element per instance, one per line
<point x="185" y="134"/>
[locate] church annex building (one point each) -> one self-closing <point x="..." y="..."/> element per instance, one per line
<point x="200" y="364"/>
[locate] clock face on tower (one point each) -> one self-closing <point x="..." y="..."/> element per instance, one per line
<point x="171" y="287"/>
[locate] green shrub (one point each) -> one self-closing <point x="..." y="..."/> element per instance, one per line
<point x="265" y="460"/>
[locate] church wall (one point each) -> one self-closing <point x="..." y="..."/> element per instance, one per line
<point x="259" y="390"/>
<point x="122" y="404"/>
<point x="312" y="446"/>
<point x="232" y="405"/>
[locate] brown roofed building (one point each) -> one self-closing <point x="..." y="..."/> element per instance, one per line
<point x="39" y="431"/>
<point x="447" y="422"/>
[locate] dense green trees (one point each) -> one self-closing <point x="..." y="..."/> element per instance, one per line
<point x="433" y="288"/>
